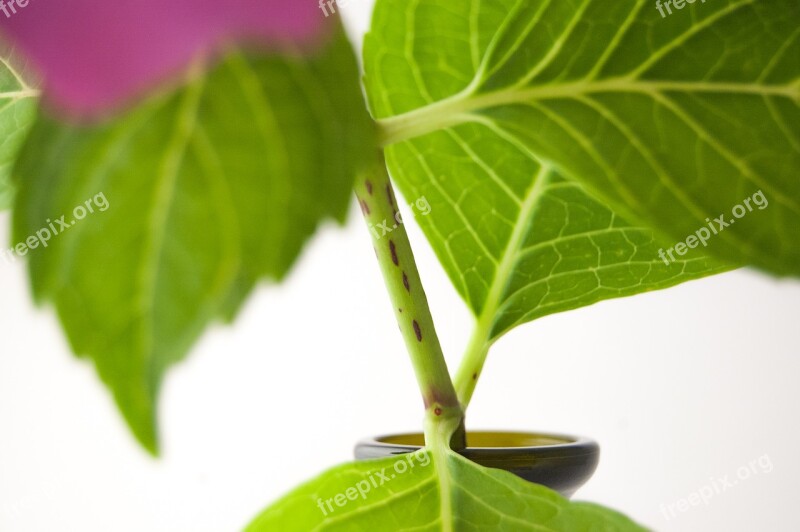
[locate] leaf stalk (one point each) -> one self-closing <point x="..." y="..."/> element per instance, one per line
<point x="379" y="206"/>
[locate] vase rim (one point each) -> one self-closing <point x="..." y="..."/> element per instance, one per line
<point x="486" y="440"/>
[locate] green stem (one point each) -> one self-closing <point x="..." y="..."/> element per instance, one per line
<point x="472" y="364"/>
<point x="444" y="416"/>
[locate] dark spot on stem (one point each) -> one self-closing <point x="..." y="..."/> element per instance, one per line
<point x="390" y="195"/>
<point x="393" y="249"/>
<point x="364" y="207"/>
<point x="433" y="397"/>
<point x="400" y="310"/>
<point x="437" y="411"/>
<point x="474" y="376"/>
<point x="405" y="282"/>
<point x="417" y="330"/>
<point x="368" y="184"/>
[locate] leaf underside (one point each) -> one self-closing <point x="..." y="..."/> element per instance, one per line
<point x="562" y="144"/>
<point x="17" y="111"/>
<point x="446" y="493"/>
<point x="210" y="188"/>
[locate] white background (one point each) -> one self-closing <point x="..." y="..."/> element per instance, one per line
<point x="680" y="387"/>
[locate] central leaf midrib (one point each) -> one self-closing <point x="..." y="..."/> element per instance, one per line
<point x="482" y="334"/>
<point x="516" y="240"/>
<point x="20" y="94"/>
<point x="445" y="488"/>
<point x="17" y="76"/>
<point x="163" y="199"/>
<point x="457" y="109"/>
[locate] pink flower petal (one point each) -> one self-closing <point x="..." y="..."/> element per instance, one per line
<point x="96" y="54"/>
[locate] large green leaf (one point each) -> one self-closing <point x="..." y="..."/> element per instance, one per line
<point x="17" y="111"/>
<point x="209" y="188"/>
<point x="536" y="128"/>
<point x="431" y="492"/>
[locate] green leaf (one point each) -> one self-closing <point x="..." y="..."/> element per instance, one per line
<point x="17" y="111"/>
<point x="537" y="135"/>
<point x="209" y="189"/>
<point x="424" y="491"/>
<point x="529" y="243"/>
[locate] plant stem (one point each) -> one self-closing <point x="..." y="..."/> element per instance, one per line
<point x="393" y="250"/>
<point x="472" y="364"/>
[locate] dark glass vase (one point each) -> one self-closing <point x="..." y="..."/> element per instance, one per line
<point x="562" y="463"/>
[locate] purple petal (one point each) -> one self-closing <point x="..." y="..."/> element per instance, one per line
<point x="96" y="54"/>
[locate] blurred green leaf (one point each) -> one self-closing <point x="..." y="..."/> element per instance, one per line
<point x="209" y="189"/>
<point x="17" y="111"/>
